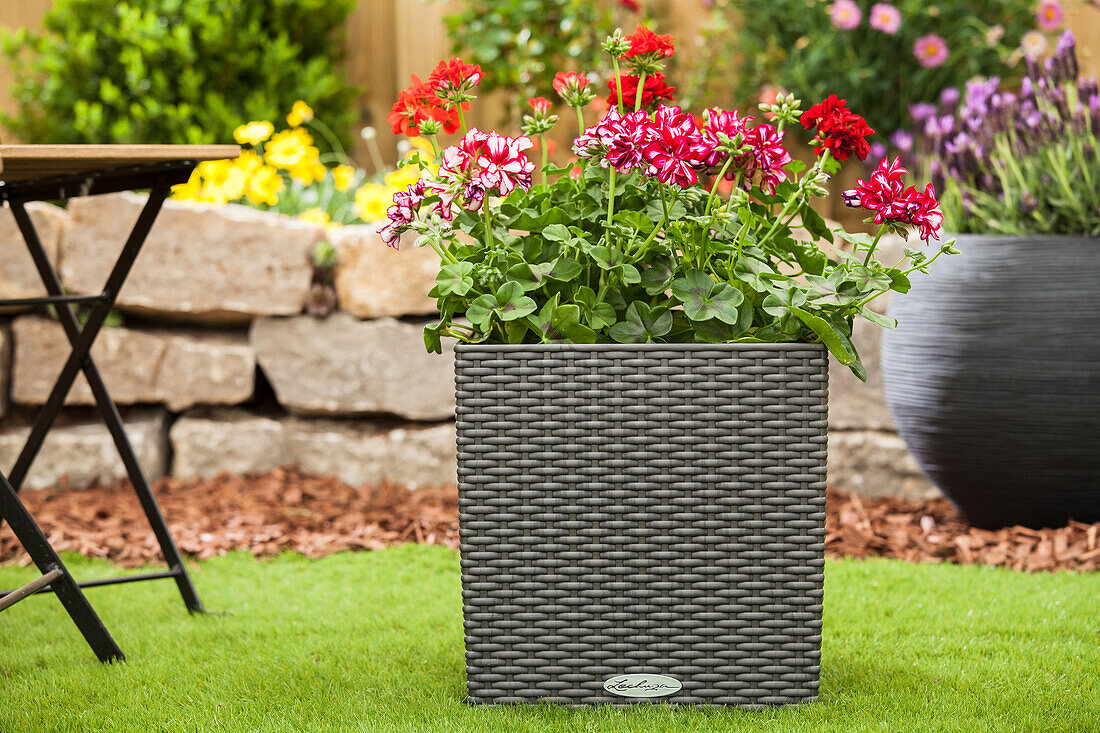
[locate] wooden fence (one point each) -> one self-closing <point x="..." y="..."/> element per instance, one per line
<point x="388" y="40"/>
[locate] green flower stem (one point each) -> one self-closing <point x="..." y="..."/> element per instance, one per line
<point x="330" y="137"/>
<point x="644" y="248"/>
<point x="736" y="257"/>
<point x="796" y="200"/>
<point x="580" y="120"/>
<point x="1071" y="193"/>
<point x="618" y="83"/>
<point x="652" y="235"/>
<point x="638" y="95"/>
<point x="542" y="146"/>
<point x="611" y="197"/>
<point x="443" y="253"/>
<point x="874" y="245"/>
<point x="461" y="118"/>
<point x="488" y="224"/>
<point x="604" y="284"/>
<point x="375" y="155"/>
<point x="435" y="145"/>
<point x="718" y="180"/>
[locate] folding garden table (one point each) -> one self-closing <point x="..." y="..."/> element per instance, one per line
<point x="60" y="172"/>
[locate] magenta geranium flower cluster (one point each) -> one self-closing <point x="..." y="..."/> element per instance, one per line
<point x="674" y="148"/>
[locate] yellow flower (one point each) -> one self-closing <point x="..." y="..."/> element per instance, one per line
<point x="402" y="177"/>
<point x="344" y="176"/>
<point x="290" y="147"/>
<point x="372" y="200"/>
<point x="314" y="215"/>
<point x="249" y="162"/>
<point x="253" y="133"/>
<point x="233" y="187"/>
<point x="264" y="186"/>
<point x="422" y="146"/>
<point x="188" y="191"/>
<point x="308" y="171"/>
<point x="299" y="113"/>
<point x="214" y="172"/>
<point x="222" y="181"/>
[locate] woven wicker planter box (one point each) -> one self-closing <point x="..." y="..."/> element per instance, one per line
<point x="642" y="523"/>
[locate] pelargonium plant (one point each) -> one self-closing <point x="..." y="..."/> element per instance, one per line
<point x="1024" y="161"/>
<point x="633" y="243"/>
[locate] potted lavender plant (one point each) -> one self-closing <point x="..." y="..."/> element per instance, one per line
<point x="994" y="375"/>
<point x="642" y="381"/>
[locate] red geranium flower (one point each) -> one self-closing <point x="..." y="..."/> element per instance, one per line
<point x="416" y="104"/>
<point x="454" y="80"/>
<point x="644" y="41"/>
<point x="539" y="104"/>
<point x="573" y="88"/>
<point x="827" y="109"/>
<point x="839" y="130"/>
<point x="631" y="5"/>
<point x="654" y="91"/>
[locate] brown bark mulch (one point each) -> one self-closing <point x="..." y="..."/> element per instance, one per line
<point x="287" y="510"/>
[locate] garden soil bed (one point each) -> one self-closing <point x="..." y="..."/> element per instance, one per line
<point x="286" y="510"/>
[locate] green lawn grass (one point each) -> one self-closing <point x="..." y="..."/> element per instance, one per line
<point x="373" y="642"/>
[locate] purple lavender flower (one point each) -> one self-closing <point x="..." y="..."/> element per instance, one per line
<point x="902" y="140"/>
<point x="921" y="111"/>
<point x="1063" y="65"/>
<point x="949" y="97"/>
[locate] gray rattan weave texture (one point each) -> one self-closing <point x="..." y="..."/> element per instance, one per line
<point x="655" y="509"/>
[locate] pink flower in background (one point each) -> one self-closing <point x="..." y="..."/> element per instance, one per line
<point x="885" y="18"/>
<point x="1034" y="44"/>
<point x="845" y="14"/>
<point x="931" y="50"/>
<point x="1050" y="15"/>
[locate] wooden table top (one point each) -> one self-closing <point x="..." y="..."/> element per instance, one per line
<point x="30" y="162"/>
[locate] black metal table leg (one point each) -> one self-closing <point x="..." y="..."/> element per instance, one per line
<point x="72" y="598"/>
<point x="80" y="359"/>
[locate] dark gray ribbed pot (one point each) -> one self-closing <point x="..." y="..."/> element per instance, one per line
<point x="652" y="510"/>
<point x="993" y="377"/>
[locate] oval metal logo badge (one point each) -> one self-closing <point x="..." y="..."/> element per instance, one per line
<point x="642" y="685"/>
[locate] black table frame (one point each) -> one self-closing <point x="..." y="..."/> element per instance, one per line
<point x="159" y="179"/>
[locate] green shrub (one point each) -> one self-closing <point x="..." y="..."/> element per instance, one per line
<point x="521" y="44"/>
<point x="176" y="71"/>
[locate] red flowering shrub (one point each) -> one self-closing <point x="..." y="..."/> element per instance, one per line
<point x="839" y="130"/>
<point x="643" y="41"/>
<point x="416" y="105"/>
<point x="655" y="90"/>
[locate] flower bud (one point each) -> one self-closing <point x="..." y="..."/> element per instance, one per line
<point x="616" y="44"/>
